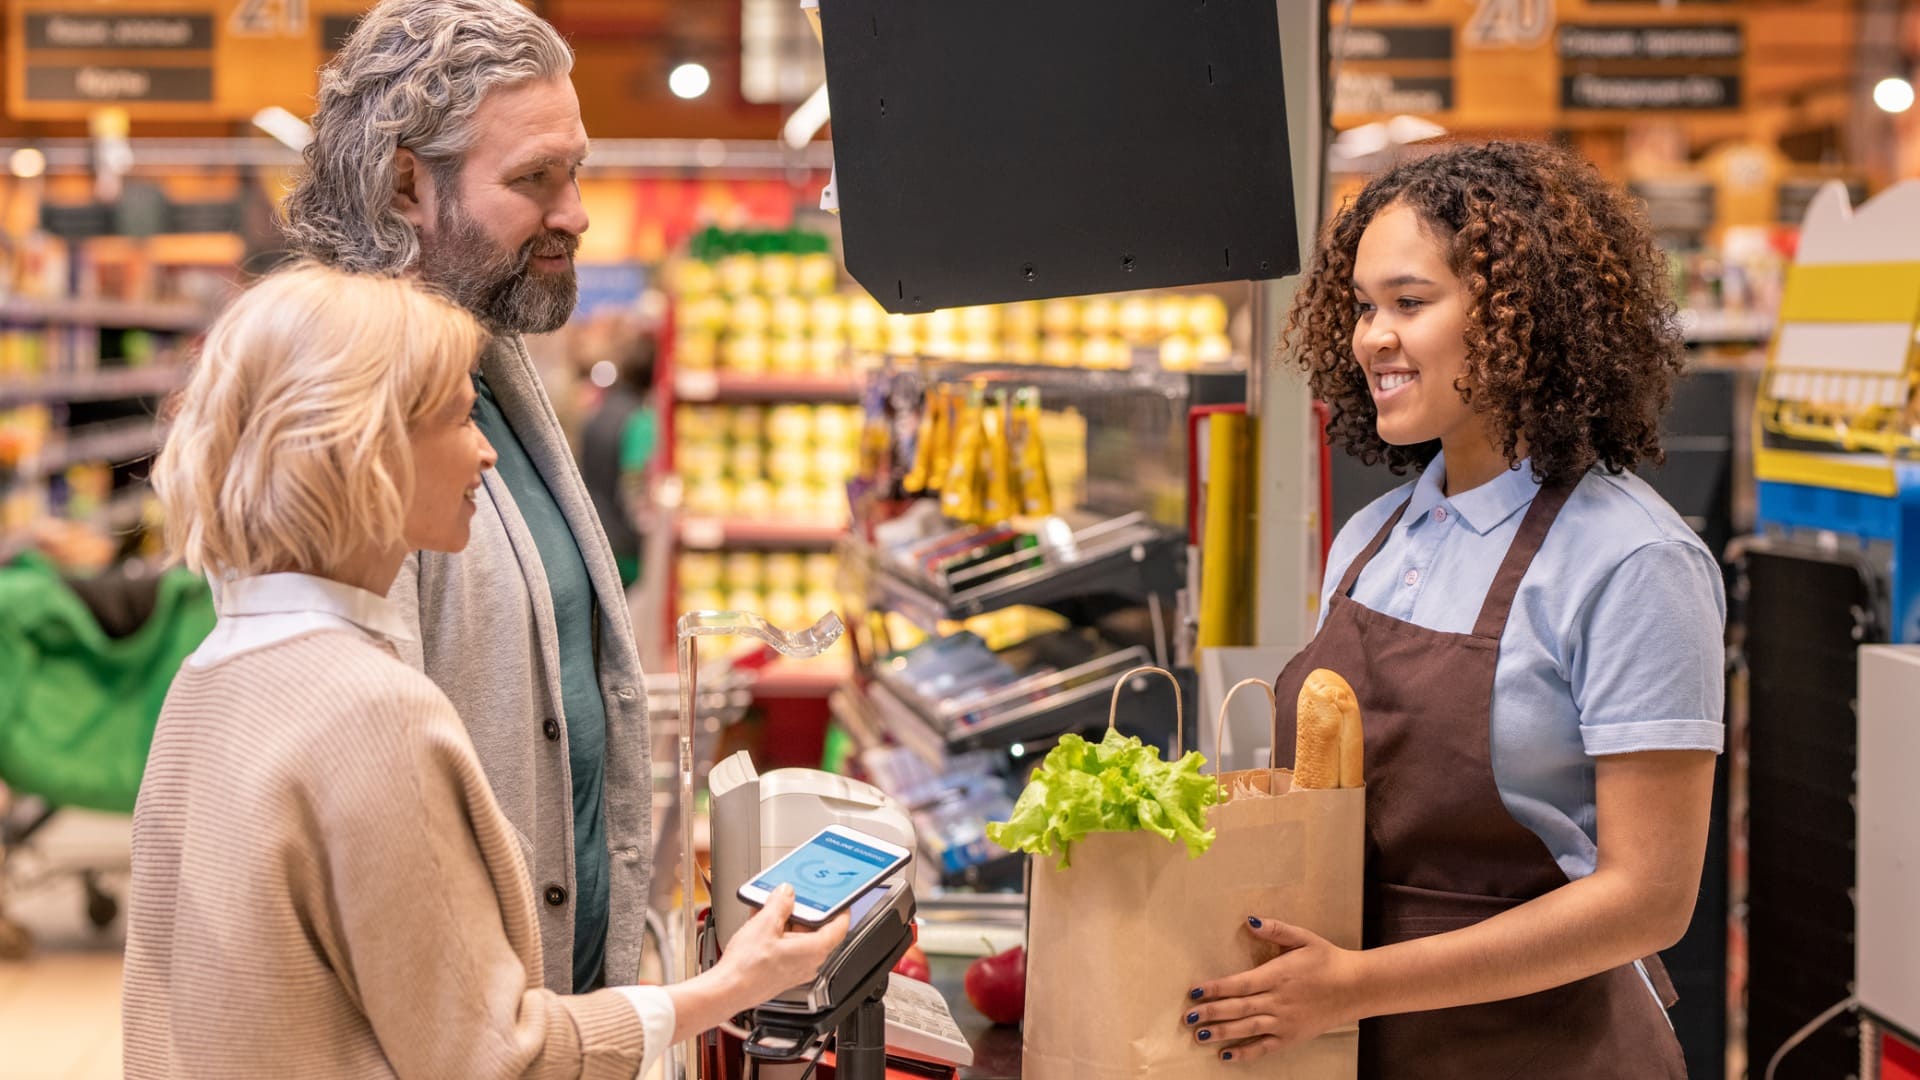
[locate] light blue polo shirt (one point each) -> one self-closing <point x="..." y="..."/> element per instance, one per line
<point x="1616" y="641"/>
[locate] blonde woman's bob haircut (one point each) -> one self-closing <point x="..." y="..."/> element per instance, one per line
<point x="289" y="446"/>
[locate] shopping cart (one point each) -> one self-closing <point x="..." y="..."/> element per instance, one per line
<point x="85" y="665"/>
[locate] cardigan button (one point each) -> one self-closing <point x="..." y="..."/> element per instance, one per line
<point x="556" y="896"/>
<point x="552" y="728"/>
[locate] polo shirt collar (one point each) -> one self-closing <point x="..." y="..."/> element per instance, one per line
<point x="1486" y="507"/>
<point x="1481" y="510"/>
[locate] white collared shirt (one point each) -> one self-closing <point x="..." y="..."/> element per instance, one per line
<point x="266" y="609"/>
<point x="263" y="610"/>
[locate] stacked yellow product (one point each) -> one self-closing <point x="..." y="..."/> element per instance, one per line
<point x="1096" y="332"/>
<point x="769" y="462"/>
<point x="787" y="587"/>
<point x="768" y="314"/>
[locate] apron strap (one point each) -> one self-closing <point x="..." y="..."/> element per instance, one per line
<point x="1662" y="982"/>
<point x="1526" y="544"/>
<point x="1361" y="560"/>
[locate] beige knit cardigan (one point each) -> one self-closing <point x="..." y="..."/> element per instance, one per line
<point x="323" y="886"/>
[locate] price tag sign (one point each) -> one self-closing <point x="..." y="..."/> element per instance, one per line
<point x="704" y="534"/>
<point x="696" y="385"/>
<point x="168" y="59"/>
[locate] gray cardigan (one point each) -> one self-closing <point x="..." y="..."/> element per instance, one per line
<point x="487" y="638"/>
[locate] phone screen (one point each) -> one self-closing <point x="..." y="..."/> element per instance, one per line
<point x="826" y="870"/>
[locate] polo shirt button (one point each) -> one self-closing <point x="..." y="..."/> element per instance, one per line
<point x="1413" y="577"/>
<point x="1439" y="513"/>
<point x="556" y="896"/>
<point x="552" y="728"/>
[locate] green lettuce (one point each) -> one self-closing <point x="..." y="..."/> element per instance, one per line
<point x="1116" y="785"/>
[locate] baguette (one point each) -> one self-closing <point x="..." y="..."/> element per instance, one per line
<point x="1329" y="746"/>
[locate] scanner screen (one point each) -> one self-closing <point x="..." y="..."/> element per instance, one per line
<point x="826" y="870"/>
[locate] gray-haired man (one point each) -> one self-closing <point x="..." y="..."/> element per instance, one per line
<point x="446" y="142"/>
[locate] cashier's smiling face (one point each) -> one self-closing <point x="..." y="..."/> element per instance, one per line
<point x="502" y="241"/>
<point x="1409" y="332"/>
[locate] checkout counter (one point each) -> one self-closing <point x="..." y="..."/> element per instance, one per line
<point x="756" y="819"/>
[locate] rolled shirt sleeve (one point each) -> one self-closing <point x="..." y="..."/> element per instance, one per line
<point x="1651" y="672"/>
<point x="657" y="1019"/>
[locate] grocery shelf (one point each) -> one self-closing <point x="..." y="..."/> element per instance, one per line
<point x="1097" y="381"/>
<point x="1713" y="327"/>
<point x="104" y="384"/>
<point x="1002" y="872"/>
<point x="802" y="678"/>
<point x="707" y="386"/>
<point x="710" y="533"/>
<point x="123" y="511"/>
<point x="174" y="316"/>
<point x="857" y="715"/>
<point x="1039" y="707"/>
<point x="116" y="442"/>
<point x="1127" y="556"/>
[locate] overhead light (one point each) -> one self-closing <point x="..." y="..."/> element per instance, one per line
<point x="287" y="129"/>
<point x="27" y="163"/>
<point x="807" y="120"/>
<point x="1893" y="94"/>
<point x="689" y="81"/>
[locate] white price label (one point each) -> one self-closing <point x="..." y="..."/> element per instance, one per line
<point x="703" y="533"/>
<point x="697" y="385"/>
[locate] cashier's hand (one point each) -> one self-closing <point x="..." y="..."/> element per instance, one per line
<point x="1305" y="991"/>
<point x="766" y="956"/>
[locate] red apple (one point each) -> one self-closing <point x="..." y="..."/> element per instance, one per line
<point x="913" y="964"/>
<point x="997" y="985"/>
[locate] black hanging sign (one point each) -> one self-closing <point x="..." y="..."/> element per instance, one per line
<point x="998" y="150"/>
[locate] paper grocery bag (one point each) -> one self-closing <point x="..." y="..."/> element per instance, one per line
<point x="1115" y="942"/>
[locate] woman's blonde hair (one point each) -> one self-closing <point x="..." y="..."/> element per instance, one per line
<point x="289" y="446"/>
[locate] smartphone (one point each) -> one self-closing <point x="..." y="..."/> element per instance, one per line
<point x="828" y="872"/>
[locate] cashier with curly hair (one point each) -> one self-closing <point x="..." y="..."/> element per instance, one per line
<point x="1535" y="637"/>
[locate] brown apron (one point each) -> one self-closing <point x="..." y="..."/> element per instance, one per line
<point x="1443" y="852"/>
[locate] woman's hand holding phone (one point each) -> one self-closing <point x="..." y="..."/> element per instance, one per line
<point x="765" y="957"/>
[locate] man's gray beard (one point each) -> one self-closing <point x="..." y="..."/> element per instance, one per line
<point x="496" y="284"/>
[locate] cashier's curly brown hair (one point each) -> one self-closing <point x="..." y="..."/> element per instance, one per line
<point x="1572" y="341"/>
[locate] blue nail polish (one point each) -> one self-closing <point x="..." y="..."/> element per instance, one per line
<point x="1205" y="1035"/>
<point x="1226" y="1055"/>
<point x="1253" y="922"/>
<point x="1194" y="993"/>
<point x="1193" y="1018"/>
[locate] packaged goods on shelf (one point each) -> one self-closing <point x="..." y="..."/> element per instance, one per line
<point x="787" y="463"/>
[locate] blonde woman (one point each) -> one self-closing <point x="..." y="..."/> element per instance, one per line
<point x="323" y="884"/>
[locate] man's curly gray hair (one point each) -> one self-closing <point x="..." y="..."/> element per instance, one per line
<point x="411" y="75"/>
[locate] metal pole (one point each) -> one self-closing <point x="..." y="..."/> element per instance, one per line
<point x="1287" y="555"/>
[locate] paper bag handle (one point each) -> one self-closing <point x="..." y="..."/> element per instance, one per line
<point x="1220" y="729"/>
<point x="1179" y="713"/>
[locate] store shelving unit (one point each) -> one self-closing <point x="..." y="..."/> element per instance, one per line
<point x="1127" y="556"/>
<point x="1110" y="566"/>
<point x="115" y="442"/>
<point x="714" y="534"/>
<point x="174" y="317"/>
<point x="103" y="384"/>
<point x="700" y="387"/>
